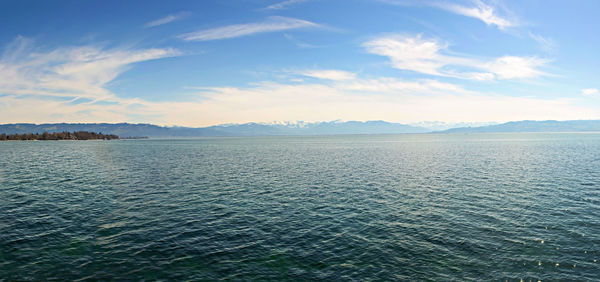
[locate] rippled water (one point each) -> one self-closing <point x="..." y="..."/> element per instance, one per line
<point x="439" y="207"/>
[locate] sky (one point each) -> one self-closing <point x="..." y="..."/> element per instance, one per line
<point x="201" y="63"/>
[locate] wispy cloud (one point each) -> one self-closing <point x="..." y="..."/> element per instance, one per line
<point x="167" y="19"/>
<point x="329" y="74"/>
<point x="546" y="44"/>
<point x="395" y="86"/>
<point x="69" y="84"/>
<point x="283" y="4"/>
<point x="299" y="43"/>
<point x="482" y="11"/>
<point x="428" y="56"/>
<point x="78" y="71"/>
<point x="272" y="24"/>
<point x="590" y="91"/>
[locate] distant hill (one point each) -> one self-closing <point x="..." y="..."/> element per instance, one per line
<point x="533" y="126"/>
<point x="247" y="129"/>
<point x="120" y="129"/>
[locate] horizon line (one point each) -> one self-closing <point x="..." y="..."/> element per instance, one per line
<point x="306" y="122"/>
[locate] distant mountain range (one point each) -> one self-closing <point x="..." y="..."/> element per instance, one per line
<point x="533" y="126"/>
<point x="440" y="125"/>
<point x="300" y="128"/>
<point x="247" y="129"/>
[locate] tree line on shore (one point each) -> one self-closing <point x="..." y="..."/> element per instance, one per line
<point x="77" y="135"/>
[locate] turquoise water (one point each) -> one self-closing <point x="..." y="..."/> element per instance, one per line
<point x="384" y="207"/>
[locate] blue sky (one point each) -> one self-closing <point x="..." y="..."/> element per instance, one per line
<point x="198" y="63"/>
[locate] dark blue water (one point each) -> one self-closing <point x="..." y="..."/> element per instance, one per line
<point x="396" y="207"/>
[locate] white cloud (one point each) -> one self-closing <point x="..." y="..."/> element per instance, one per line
<point x="427" y="56"/>
<point x="395" y="86"/>
<point x="410" y="53"/>
<point x="166" y="20"/>
<point x="590" y="91"/>
<point x="272" y="24"/>
<point x="283" y="4"/>
<point x="510" y="67"/>
<point x="480" y="76"/>
<point x="79" y="71"/>
<point x="481" y="11"/>
<point x="329" y="74"/>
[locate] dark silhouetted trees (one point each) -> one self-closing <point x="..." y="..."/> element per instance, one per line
<point x="78" y="135"/>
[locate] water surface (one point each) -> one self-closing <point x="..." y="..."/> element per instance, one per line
<point x="392" y="207"/>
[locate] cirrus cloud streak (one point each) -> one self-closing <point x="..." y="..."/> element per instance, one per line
<point x="167" y="19"/>
<point x="272" y="24"/>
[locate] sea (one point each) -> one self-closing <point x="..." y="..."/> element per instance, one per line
<point x="438" y="207"/>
